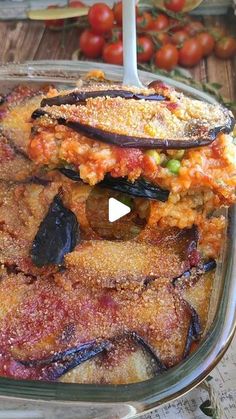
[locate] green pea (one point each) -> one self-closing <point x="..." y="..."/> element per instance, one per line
<point x="154" y="155"/>
<point x="173" y="166"/>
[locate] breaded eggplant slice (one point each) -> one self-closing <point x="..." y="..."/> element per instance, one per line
<point x="15" y="115"/>
<point x="180" y="124"/>
<point x="127" y="361"/>
<point x="22" y="208"/>
<point x="14" y="165"/>
<point x="196" y="290"/>
<point x="131" y="265"/>
<point x="41" y="319"/>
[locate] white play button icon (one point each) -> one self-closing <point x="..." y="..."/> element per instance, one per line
<point x="114" y="215"/>
<point x="117" y="210"/>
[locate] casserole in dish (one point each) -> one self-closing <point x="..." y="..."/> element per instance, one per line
<point x="141" y="396"/>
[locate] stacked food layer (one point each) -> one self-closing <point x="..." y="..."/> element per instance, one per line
<point x="80" y="308"/>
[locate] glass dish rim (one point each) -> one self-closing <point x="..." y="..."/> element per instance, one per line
<point x="153" y="392"/>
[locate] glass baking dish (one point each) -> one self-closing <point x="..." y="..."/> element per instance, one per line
<point x="125" y="401"/>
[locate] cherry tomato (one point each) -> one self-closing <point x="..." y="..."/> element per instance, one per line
<point x="144" y="22"/>
<point x="174" y="5"/>
<point x="55" y="23"/>
<point x="113" y="53"/>
<point x="100" y="18"/>
<point x="176" y="25"/>
<point x="194" y="27"/>
<point x="117" y="9"/>
<point x="91" y="44"/>
<point x="163" y="38"/>
<point x="226" y="48"/>
<point x="167" y="57"/>
<point x="207" y="42"/>
<point x="145" y="48"/>
<point x="179" y="37"/>
<point x="191" y="53"/>
<point x="160" y="23"/>
<point x="76" y="3"/>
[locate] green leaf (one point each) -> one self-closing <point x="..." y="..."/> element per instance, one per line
<point x="216" y="86"/>
<point x="207" y="409"/>
<point x="209" y="378"/>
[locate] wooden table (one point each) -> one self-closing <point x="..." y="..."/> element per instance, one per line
<point x="25" y="40"/>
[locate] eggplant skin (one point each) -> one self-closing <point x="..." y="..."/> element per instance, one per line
<point x="74" y="98"/>
<point x="160" y="367"/>
<point x="195" y="272"/>
<point x="57" y="235"/>
<point x="62" y="362"/>
<point x="194" y="331"/>
<point x="54" y="367"/>
<point x="197" y="136"/>
<point x="140" y="188"/>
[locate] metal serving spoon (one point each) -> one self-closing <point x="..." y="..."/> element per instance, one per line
<point x="130" y="76"/>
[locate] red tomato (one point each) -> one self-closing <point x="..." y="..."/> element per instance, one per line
<point x="160" y="23"/>
<point x="117" y="9"/>
<point x="91" y="44"/>
<point x="194" y="27"/>
<point x="167" y="57"/>
<point x="145" y="48"/>
<point x="207" y="42"/>
<point x="163" y="38"/>
<point x="101" y="18"/>
<point x="191" y="53"/>
<point x="144" y="22"/>
<point x="179" y="37"/>
<point x="76" y="3"/>
<point x="174" y="5"/>
<point x="176" y="25"/>
<point x="226" y="48"/>
<point x="113" y="53"/>
<point x="55" y="23"/>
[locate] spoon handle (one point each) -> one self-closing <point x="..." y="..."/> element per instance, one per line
<point x="130" y="76"/>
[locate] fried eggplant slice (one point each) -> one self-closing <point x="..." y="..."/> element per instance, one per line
<point x="22" y="208"/>
<point x="15" y="115"/>
<point x="57" y="235"/>
<point x="129" y="265"/>
<point x="78" y="97"/>
<point x="127" y="361"/>
<point x="14" y="165"/>
<point x="56" y="366"/>
<point x="197" y="293"/>
<point x="183" y="124"/>
<point x="68" y="318"/>
<point x="140" y="188"/>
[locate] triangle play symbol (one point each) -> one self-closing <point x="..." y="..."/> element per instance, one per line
<point x="116" y="210"/>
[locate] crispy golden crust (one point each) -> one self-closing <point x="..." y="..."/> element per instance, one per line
<point x="129" y="265"/>
<point x="104" y="312"/>
<point x="15" y="166"/>
<point x="126" y="362"/>
<point x="15" y="115"/>
<point x="142" y="118"/>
